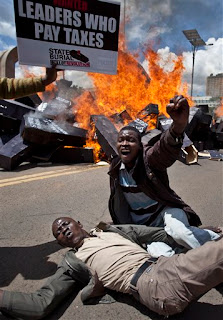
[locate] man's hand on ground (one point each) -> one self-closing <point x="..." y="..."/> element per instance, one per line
<point x="212" y="228"/>
<point x="178" y="109"/>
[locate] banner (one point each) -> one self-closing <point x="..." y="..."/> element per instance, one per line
<point x="74" y="34"/>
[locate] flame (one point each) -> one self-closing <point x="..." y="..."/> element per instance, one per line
<point x="49" y="93"/>
<point x="165" y="85"/>
<point x="92" y="143"/>
<point x="115" y="93"/>
<point x="219" y="110"/>
<point x="50" y="90"/>
<point x="132" y="89"/>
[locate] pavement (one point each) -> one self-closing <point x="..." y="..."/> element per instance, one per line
<point x="32" y="197"/>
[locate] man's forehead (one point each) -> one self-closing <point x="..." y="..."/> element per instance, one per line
<point x="59" y="221"/>
<point x="127" y="132"/>
<point x="63" y="219"/>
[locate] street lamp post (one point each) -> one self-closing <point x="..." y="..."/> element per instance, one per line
<point x="196" y="41"/>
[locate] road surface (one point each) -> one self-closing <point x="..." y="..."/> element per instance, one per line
<point x="33" y="196"/>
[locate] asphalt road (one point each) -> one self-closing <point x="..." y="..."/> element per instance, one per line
<point x="33" y="196"/>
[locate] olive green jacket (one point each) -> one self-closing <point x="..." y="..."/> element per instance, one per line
<point x="17" y="88"/>
<point x="73" y="275"/>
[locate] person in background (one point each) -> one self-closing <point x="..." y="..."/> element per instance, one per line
<point x="11" y="88"/>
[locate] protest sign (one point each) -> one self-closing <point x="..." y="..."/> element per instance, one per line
<point x="74" y="34"/>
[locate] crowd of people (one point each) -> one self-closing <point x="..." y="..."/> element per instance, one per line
<point x="146" y="214"/>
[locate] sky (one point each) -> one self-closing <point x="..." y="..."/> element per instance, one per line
<point x="160" y="23"/>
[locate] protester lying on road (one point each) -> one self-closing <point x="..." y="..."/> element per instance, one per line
<point x="140" y="191"/>
<point x="11" y="88"/>
<point x="116" y="260"/>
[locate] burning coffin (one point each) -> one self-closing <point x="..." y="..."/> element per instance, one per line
<point x="151" y="137"/>
<point x="219" y="131"/>
<point x="43" y="152"/>
<point x="188" y="153"/>
<point x="4" y="138"/>
<point x="9" y="125"/>
<point x="13" y="109"/>
<point x="54" y="108"/>
<point x="14" y="152"/>
<point x="203" y="107"/>
<point x="164" y="123"/>
<point x="46" y="131"/>
<point x="140" y="125"/>
<point x="198" y="127"/>
<point x="150" y="109"/>
<point x="106" y="134"/>
<point x="61" y="154"/>
<point x="32" y="100"/>
<point x="73" y="155"/>
<point x="121" y="117"/>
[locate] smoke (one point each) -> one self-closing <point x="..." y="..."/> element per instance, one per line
<point x="143" y="19"/>
<point x="79" y="78"/>
<point x="207" y="61"/>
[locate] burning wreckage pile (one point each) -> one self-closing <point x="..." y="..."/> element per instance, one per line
<point x="34" y="134"/>
<point x="50" y="133"/>
<point x="69" y="126"/>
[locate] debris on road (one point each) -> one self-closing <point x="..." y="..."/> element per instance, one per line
<point x="49" y="131"/>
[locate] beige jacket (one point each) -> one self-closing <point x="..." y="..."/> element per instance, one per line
<point x="17" y="88"/>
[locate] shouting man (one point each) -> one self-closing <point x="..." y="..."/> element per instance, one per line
<point x="140" y="191"/>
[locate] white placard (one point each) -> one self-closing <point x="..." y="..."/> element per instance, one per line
<point x="74" y="34"/>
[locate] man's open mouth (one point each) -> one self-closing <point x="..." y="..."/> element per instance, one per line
<point x="68" y="234"/>
<point x="125" y="152"/>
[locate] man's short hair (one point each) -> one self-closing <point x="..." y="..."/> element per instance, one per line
<point x="131" y="128"/>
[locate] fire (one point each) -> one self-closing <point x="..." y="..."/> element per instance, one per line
<point x="50" y="90"/>
<point x="132" y="89"/>
<point x="165" y="85"/>
<point x="49" y="93"/>
<point x="92" y="143"/>
<point x="219" y="110"/>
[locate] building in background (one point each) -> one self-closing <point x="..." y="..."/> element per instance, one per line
<point x="214" y="85"/>
<point x="212" y="102"/>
